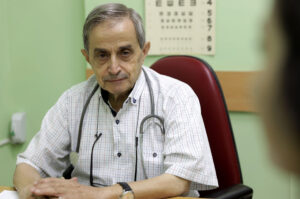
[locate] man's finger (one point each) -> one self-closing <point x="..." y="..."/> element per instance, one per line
<point x="75" y="179"/>
<point x="45" y="190"/>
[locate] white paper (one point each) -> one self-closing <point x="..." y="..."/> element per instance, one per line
<point x="9" y="195"/>
<point x="181" y="26"/>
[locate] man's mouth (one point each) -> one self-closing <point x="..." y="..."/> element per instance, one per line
<point x="115" y="80"/>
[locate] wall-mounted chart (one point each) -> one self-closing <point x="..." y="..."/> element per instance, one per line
<point x="181" y="26"/>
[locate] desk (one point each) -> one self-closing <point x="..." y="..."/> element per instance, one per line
<point x="2" y="188"/>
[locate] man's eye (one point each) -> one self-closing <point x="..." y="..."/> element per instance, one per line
<point x="125" y="53"/>
<point x="102" y="55"/>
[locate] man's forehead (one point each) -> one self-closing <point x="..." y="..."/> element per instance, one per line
<point x="110" y="22"/>
<point x="113" y="35"/>
<point x="122" y="47"/>
<point x="116" y="44"/>
<point x="114" y="23"/>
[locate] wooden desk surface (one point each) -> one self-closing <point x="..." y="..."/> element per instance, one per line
<point x="2" y="188"/>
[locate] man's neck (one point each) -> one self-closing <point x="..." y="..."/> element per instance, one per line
<point x="116" y="101"/>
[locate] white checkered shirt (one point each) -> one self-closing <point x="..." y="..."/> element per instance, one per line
<point x="183" y="151"/>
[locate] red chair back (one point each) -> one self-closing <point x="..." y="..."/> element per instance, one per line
<point x="202" y="79"/>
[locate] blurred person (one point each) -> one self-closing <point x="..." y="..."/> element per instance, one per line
<point x="173" y="157"/>
<point x="279" y="98"/>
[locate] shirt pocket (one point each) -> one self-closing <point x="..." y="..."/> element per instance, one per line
<point x="153" y="147"/>
<point x="153" y="163"/>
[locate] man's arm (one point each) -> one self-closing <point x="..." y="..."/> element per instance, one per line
<point x="24" y="178"/>
<point x="162" y="186"/>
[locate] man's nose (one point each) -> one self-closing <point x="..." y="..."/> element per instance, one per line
<point x="114" y="67"/>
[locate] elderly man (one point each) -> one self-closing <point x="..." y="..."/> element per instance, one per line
<point x="138" y="134"/>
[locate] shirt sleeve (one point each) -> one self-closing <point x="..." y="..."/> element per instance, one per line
<point x="187" y="150"/>
<point x="48" y="151"/>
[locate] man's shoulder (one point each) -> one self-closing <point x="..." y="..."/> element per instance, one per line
<point x="83" y="88"/>
<point x="166" y="83"/>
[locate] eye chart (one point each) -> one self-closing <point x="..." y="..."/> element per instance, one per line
<point x="181" y="26"/>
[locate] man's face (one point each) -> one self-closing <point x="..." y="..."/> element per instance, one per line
<point x="115" y="55"/>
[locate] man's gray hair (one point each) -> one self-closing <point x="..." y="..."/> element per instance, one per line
<point x="112" y="11"/>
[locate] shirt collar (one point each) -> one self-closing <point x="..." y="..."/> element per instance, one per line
<point x="135" y="94"/>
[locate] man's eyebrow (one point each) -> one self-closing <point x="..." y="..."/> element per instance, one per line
<point x="100" y="50"/>
<point x="126" y="47"/>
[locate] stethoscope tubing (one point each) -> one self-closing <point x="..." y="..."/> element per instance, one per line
<point x="82" y="117"/>
<point x="141" y="129"/>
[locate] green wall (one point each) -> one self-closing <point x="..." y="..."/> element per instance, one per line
<point x="40" y="57"/>
<point x="40" y="42"/>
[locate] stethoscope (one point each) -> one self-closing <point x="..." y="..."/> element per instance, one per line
<point x="75" y="155"/>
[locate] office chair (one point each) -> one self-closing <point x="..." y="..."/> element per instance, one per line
<point x="203" y="80"/>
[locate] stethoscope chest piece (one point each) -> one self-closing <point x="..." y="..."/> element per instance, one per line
<point x="74" y="156"/>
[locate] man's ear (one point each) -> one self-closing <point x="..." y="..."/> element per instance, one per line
<point x="86" y="55"/>
<point x="146" y="48"/>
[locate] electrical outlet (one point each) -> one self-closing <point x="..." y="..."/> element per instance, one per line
<point x="18" y="128"/>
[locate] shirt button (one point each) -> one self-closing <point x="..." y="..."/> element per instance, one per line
<point x="134" y="100"/>
<point x="119" y="154"/>
<point x="117" y="121"/>
<point x="154" y="155"/>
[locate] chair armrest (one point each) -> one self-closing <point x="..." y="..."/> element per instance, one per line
<point x="234" y="192"/>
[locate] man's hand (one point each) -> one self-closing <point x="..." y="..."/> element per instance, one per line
<point x="30" y="185"/>
<point x="58" y="188"/>
<point x="25" y="193"/>
<point x="24" y="177"/>
<point x="69" y="189"/>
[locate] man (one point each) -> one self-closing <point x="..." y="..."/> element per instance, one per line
<point x="173" y="157"/>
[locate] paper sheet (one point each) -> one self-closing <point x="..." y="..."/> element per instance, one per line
<point x="181" y="26"/>
<point x="9" y="195"/>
